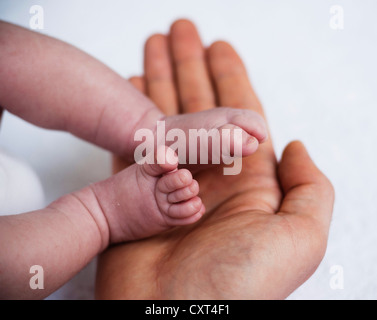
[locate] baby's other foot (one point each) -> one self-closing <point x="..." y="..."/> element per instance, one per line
<point x="176" y="191"/>
<point x="147" y="199"/>
<point x="177" y="197"/>
<point x="218" y="124"/>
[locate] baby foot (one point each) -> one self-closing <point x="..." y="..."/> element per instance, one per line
<point x="251" y="125"/>
<point x="176" y="193"/>
<point x="210" y="135"/>
<point x="144" y="200"/>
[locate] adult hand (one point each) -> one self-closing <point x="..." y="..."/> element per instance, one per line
<point x="265" y="230"/>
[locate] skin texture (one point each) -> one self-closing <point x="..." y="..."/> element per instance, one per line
<point x="265" y="230"/>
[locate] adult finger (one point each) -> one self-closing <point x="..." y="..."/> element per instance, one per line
<point x="193" y="81"/>
<point x="138" y="83"/>
<point x="159" y="74"/>
<point x="234" y="90"/>
<point x="307" y="192"/>
<point x="231" y="78"/>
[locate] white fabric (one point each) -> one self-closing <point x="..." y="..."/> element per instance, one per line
<point x="20" y="188"/>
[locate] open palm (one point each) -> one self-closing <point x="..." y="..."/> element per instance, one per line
<point x="265" y="230"/>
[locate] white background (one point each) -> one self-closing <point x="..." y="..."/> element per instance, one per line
<point x="317" y="84"/>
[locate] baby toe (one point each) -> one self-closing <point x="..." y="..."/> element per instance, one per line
<point x="174" y="181"/>
<point x="185" y="193"/>
<point x="185" y="209"/>
<point x="186" y="221"/>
